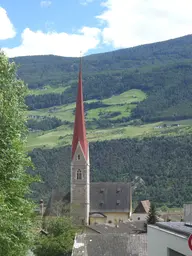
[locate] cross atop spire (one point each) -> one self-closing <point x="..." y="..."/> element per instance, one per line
<point x="79" y="134"/>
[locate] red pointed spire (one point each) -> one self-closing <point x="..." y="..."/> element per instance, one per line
<point x="79" y="134"/>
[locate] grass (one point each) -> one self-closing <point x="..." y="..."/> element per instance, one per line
<point x="63" y="135"/>
<point x="48" y="89"/>
<point x="180" y="122"/>
<point x="65" y="112"/>
<point x="124" y="111"/>
<point x="182" y="130"/>
<point x="123" y="103"/>
<point x="126" y="97"/>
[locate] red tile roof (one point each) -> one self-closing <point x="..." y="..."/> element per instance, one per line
<point x="79" y="134"/>
<point x="146" y="205"/>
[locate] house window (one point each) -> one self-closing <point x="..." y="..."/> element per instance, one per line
<point x="78" y="157"/>
<point x="79" y="175"/>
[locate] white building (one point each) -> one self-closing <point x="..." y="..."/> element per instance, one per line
<point x="170" y="238"/>
<point x="141" y="211"/>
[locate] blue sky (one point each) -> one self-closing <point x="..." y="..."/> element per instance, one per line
<point x="66" y="27"/>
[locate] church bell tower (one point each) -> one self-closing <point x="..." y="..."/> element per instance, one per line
<point x="80" y="167"/>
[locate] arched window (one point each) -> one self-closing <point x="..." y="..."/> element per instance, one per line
<point x="79" y="175"/>
<point x="78" y="157"/>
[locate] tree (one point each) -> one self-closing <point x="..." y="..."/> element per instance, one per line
<point x="59" y="240"/>
<point x="16" y="210"/>
<point x="152" y="215"/>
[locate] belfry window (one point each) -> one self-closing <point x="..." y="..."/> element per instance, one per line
<point x="79" y="175"/>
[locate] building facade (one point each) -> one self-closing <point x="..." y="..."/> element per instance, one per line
<point x="169" y="239"/>
<point x="141" y="211"/>
<point x="80" y="186"/>
<point x="111" y="202"/>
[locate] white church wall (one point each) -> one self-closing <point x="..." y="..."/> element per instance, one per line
<point x="139" y="216"/>
<point x="115" y="217"/>
<point x="94" y="220"/>
<point x="80" y="188"/>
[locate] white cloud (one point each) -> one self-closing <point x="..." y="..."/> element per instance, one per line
<point x="125" y="23"/>
<point x="133" y="22"/>
<point x="6" y="28"/>
<point x="45" y="3"/>
<point x="63" y="44"/>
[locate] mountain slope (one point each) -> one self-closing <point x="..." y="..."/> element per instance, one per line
<point x="161" y="72"/>
<point x="143" y="92"/>
<point x="42" y="70"/>
<point x="160" y="168"/>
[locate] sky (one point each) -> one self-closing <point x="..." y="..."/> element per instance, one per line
<point x="68" y="27"/>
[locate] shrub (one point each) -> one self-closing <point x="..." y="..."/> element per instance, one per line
<point x="59" y="240"/>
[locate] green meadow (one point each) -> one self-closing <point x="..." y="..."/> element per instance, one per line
<point x="48" y="89"/>
<point x="121" y="104"/>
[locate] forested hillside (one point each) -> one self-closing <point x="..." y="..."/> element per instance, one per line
<point x="160" y="168"/>
<point x="162" y="70"/>
<point x="142" y="93"/>
<point x="42" y="70"/>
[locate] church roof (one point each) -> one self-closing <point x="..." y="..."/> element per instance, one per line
<point x="129" y="227"/>
<point x="79" y="134"/>
<point x="110" y="197"/>
<point x="104" y="197"/>
<point x="110" y="244"/>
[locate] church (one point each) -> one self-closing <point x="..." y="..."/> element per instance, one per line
<point x="90" y="202"/>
